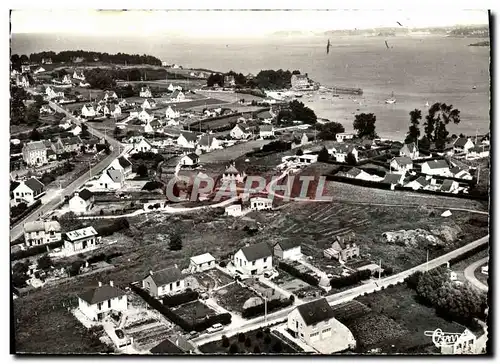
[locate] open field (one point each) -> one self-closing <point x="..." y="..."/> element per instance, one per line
<point x="233" y="297"/>
<point x="231" y="153"/>
<point x="266" y="343"/>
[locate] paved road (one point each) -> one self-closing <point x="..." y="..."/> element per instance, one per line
<point x="50" y="205"/>
<point x="469" y="274"/>
<point x="340" y="297"/>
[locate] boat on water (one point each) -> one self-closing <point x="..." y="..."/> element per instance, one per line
<point x="474" y="87"/>
<point x="391" y="100"/>
<point x="427" y="104"/>
<point x="298" y="95"/>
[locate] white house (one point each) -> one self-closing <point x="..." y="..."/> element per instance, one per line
<point x="240" y="132"/>
<point x="307" y="159"/>
<point x="343" y="136"/>
<point x="458" y="172"/>
<point x="233" y="210"/>
<point x="163" y="282"/>
<point x="88" y="111"/>
<point x="409" y="150"/>
<point x="96" y="302"/>
<point x="141" y="146"/>
<point x="462" y="145"/>
<point x="287" y="249"/>
<point x="419" y="183"/>
<point x="187" y="140"/>
<point x="112" y="110"/>
<point x="81" y="239"/>
<point x="145" y="117"/>
<point x="148" y="104"/>
<point x="111" y="179"/>
<point x="437" y="168"/>
<point x="28" y="191"/>
<point x="122" y="164"/>
<point x="314" y="323"/>
<point x="39" y="70"/>
<point x="51" y="94"/>
<point x="479" y="151"/>
<point x="177" y="96"/>
<point x="171" y="113"/>
<point x="343" y="150"/>
<point x="76" y="130"/>
<point x="79" y="76"/>
<point x="41" y="232"/>
<point x="22" y="81"/>
<point x="231" y="174"/>
<point x="465" y="344"/>
<point x="145" y="92"/>
<point x="190" y="159"/>
<point x="254" y="259"/>
<point x="261" y="203"/>
<point x="401" y="164"/>
<point x="300" y="82"/>
<point x="35" y="154"/>
<point x="67" y="80"/>
<point x="201" y="263"/>
<point x="208" y="143"/>
<point x="266" y="131"/>
<point x="449" y="186"/>
<point x="81" y="201"/>
<point x="110" y="95"/>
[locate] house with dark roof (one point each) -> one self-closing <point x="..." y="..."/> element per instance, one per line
<point x="314" y="323"/>
<point x="343" y="247"/>
<point x="231" y="174"/>
<point x="28" y="191"/>
<point x="97" y="302"/>
<point x="462" y="145"/>
<point x="266" y="131"/>
<point x="287" y="249"/>
<point x="258" y="203"/>
<point x="401" y="164"/>
<point x="458" y="172"/>
<point x="479" y="151"/>
<point x="187" y="139"/>
<point x="240" y="131"/>
<point x="341" y="151"/>
<point x="409" y="150"/>
<point x="81" y="202"/>
<point x="190" y="159"/>
<point x="393" y="179"/>
<point x="420" y="183"/>
<point x="254" y="259"/>
<point x="167" y="347"/>
<point x="449" y="186"/>
<point x="437" y="168"/>
<point x="71" y="144"/>
<point x="35" y="153"/>
<point x="122" y="164"/>
<point x="177" y="96"/>
<point x="111" y="179"/>
<point x="164" y="282"/>
<point x="149" y="104"/>
<point x="208" y="143"/>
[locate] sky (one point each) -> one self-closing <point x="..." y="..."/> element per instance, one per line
<point x="229" y="23"/>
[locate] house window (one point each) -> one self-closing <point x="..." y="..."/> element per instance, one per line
<point x="253" y="263"/>
<point x="314" y="334"/>
<point x="99" y="306"/>
<point x="171" y="286"/>
<point x="178" y="284"/>
<point x="265" y="260"/>
<point x="109" y="303"/>
<point x="326" y="330"/>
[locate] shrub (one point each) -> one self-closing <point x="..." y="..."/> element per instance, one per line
<point x="267" y="330"/>
<point x="234" y="349"/>
<point x="354" y="278"/>
<point x="277" y="347"/>
<point x="223" y="264"/>
<point x="179" y="299"/>
<point x="225" y="341"/>
<point x="272" y="305"/>
<point x="256" y="349"/>
<point x="241" y="337"/>
<point x="175" y="242"/>
<point x="313" y="281"/>
<point x="36" y="250"/>
<point x="267" y="340"/>
<point x="259" y="334"/>
<point x="248" y="342"/>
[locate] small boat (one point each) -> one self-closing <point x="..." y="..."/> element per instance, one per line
<point x="391" y="100"/>
<point x="474" y="87"/>
<point x="427" y="104"/>
<point x="298" y="95"/>
<point x="323" y="97"/>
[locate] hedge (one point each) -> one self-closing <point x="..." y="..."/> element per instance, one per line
<point x="306" y="277"/>
<point x="117" y="225"/>
<point x="354" y="278"/>
<point x="469" y="253"/>
<point x="223" y="319"/>
<point x="26" y="212"/>
<point x="272" y="305"/>
<point x="39" y="249"/>
<point x="179" y="299"/>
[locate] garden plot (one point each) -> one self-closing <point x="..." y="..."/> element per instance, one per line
<point x="295" y="286"/>
<point x="194" y="311"/>
<point x="262" y="289"/>
<point x="212" y="279"/>
<point x="233" y="297"/>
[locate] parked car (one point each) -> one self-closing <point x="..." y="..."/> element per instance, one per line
<point x="215" y="328"/>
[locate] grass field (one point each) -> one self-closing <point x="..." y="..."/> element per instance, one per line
<point x="231" y="153"/>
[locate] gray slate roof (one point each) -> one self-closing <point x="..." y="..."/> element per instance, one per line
<point x="288" y="244"/>
<point x="167" y="275"/>
<point x="34" y="184"/>
<point x="316" y="311"/>
<point x="101" y="294"/>
<point x="256" y="251"/>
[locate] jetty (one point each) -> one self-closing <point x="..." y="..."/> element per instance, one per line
<point x="346" y="90"/>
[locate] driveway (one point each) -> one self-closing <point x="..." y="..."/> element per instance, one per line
<point x="469" y="274"/>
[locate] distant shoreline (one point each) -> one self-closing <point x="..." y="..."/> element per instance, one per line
<point x="485" y="43"/>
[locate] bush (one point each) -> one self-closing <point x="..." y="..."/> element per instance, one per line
<point x="179" y="299"/>
<point x="354" y="278"/>
<point x="313" y="281"/>
<point x="277" y="347"/>
<point x="241" y="337"/>
<point x="117" y="225"/>
<point x="248" y="342"/>
<point x="272" y="305"/>
<point x="225" y="341"/>
<point x="256" y="349"/>
<point x="259" y="334"/>
<point x="267" y="340"/>
<point x="234" y="349"/>
<point x="223" y="264"/>
<point x="36" y="250"/>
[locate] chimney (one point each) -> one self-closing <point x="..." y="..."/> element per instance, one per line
<point x="150" y="272"/>
<point x="100" y="284"/>
<point x="111" y="283"/>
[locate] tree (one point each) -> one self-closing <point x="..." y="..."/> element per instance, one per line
<point x="351" y="159"/>
<point x="175" y="242"/>
<point x="430" y="282"/>
<point x="35" y="135"/>
<point x="364" y="124"/>
<point x="267" y="339"/>
<point x="440" y="115"/>
<point x="17" y="107"/>
<point x="241" y="337"/>
<point x="234" y="349"/>
<point x="323" y="155"/>
<point x="277" y="347"/>
<point x="302" y="113"/>
<point x="329" y="131"/>
<point x="299" y="152"/>
<point x="414" y="131"/>
<point x="74" y="268"/>
<point x="259" y="334"/>
<point x="225" y="341"/>
<point x="44" y="263"/>
<point x="100" y="78"/>
<point x="248" y="342"/>
<point x="142" y="170"/>
<point x="256" y="349"/>
<point x="117" y="132"/>
<point x="85" y="131"/>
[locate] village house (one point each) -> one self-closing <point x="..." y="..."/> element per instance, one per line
<point x="462" y="145"/>
<point x="465" y="344"/>
<point x="79" y="75"/>
<point x="437" y="168"/>
<point x="169" y="347"/>
<point x="52" y="94"/>
<point x="300" y="82"/>
<point x="152" y="126"/>
<point x="145" y="92"/>
<point x="409" y="150"/>
<point x="287" y="249"/>
<point x="22" y="81"/>
<point x="229" y="81"/>
<point x="145" y="117"/>
<point x="28" y="191"/>
<point x="111" y="179"/>
<point x="266" y="131"/>
<point x="39" y="70"/>
<point x="81" y="240"/>
<point x="76" y="130"/>
<point x="458" y="172"/>
<point x="254" y="259"/>
<point x="420" y="183"/>
<point x="97" y="302"/>
<point x="88" y="111"/>
<point x="261" y="203"/>
<point x="25" y="68"/>
<point x="187" y="139"/>
<point x="164" y="282"/>
<point x="112" y="110"/>
<point x="121" y="164"/>
<point x="141" y="146"/>
<point x="233" y="210"/>
<point x="265" y="117"/>
<point x="343" y="248"/>
<point x="84" y="84"/>
<point x="148" y="104"/>
<point x="231" y="174"/>
<point x="307" y="159"/>
<point x="46" y="60"/>
<point x="479" y="151"/>
<point x="46" y="109"/>
<point x="315" y="324"/>
<point x="190" y="159"/>
<point x="343" y="150"/>
<point x="67" y="80"/>
<point x="171" y="113"/>
<point x="35" y="154"/>
<point x="110" y="95"/>
<point x="393" y="179"/>
<point x="401" y="164"/>
<point x="201" y="263"/>
<point x="208" y="143"/>
<point x="357" y="173"/>
<point x="240" y="132"/>
<point x="71" y="144"/>
<point x="177" y="96"/>
<point x="340" y="137"/>
<point x="81" y="202"/>
<point x="299" y="142"/>
<point x="449" y="186"/>
<point x="41" y="232"/>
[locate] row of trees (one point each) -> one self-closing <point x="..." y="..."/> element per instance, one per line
<point x="297" y="111"/>
<point x="265" y="79"/>
<point x="19" y="112"/>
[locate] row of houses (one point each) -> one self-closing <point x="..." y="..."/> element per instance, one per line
<point x="39" y="153"/>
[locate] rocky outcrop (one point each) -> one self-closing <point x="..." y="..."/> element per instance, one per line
<point x="441" y="235"/>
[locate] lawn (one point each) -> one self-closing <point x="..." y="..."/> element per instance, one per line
<point x="252" y="342"/>
<point x="194" y="311"/>
<point x="231" y="153"/>
<point x="233" y="297"/>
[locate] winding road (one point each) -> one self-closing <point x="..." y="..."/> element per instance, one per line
<point x="49" y="205"/>
<point x="470" y="276"/>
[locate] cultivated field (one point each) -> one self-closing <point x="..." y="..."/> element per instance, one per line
<point x="193" y="311"/>
<point x="234" y="296"/>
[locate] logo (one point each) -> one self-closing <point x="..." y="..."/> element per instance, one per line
<point x="443" y="339"/>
